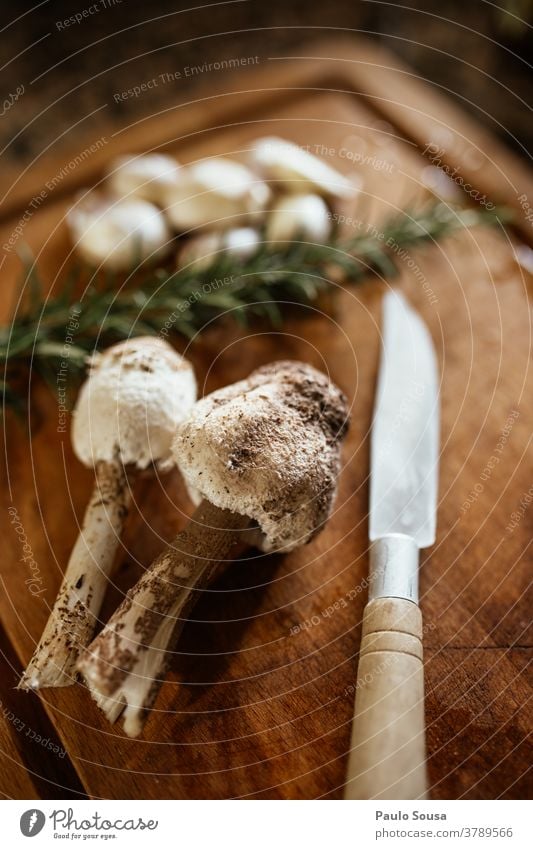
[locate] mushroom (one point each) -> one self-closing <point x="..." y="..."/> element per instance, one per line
<point x="201" y="251"/>
<point x="293" y="216"/>
<point x="215" y="192"/>
<point x="147" y="177"/>
<point x="125" y="416"/>
<point x="296" y="170"/>
<point x="264" y="455"/>
<point x="117" y="233"/>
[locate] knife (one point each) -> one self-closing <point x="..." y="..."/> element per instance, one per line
<point x="387" y="757"/>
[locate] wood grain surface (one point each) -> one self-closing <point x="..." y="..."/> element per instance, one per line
<point x="259" y="699"/>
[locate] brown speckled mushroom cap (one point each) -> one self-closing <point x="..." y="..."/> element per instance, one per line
<point x="268" y="447"/>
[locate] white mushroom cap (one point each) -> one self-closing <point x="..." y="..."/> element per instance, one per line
<point x="298" y="215"/>
<point x="201" y="251"/>
<point x="147" y="177"/>
<point x="296" y="170"/>
<point x="216" y="192"/>
<point x="117" y="233"/>
<point x="241" y="241"/>
<point x="128" y="408"/>
<point x="268" y="448"/>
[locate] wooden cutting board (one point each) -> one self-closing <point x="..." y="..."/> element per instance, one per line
<point x="260" y="696"/>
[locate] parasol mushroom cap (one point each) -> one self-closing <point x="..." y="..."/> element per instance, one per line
<point x="268" y="447"/>
<point x="128" y="408"/>
<point x="147" y="177"/>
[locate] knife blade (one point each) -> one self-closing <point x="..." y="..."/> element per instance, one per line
<point x="405" y="430"/>
<point x="387" y="753"/>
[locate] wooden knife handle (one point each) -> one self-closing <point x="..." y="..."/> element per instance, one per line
<point x="387" y="758"/>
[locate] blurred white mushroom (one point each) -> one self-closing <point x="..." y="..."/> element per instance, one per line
<point x="242" y="241"/>
<point x="296" y="170"/>
<point x="201" y="251"/>
<point x="524" y="257"/>
<point x="217" y="192"/>
<point x="117" y="233"/>
<point x="438" y="182"/>
<point x="146" y="177"/>
<point x="293" y="216"/>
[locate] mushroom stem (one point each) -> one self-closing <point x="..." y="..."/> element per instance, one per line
<point x="125" y="664"/>
<point x="71" y="623"/>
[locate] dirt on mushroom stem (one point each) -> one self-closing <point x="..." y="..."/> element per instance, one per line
<point x="124" y="666"/>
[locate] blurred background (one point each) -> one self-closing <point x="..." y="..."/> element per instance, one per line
<point x="64" y="62"/>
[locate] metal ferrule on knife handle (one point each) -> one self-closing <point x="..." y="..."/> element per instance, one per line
<point x="394" y="568"/>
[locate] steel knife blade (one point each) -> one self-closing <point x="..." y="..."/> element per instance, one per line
<point x="405" y="431"/>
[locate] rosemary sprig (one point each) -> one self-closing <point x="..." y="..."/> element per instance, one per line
<point x="69" y="327"/>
